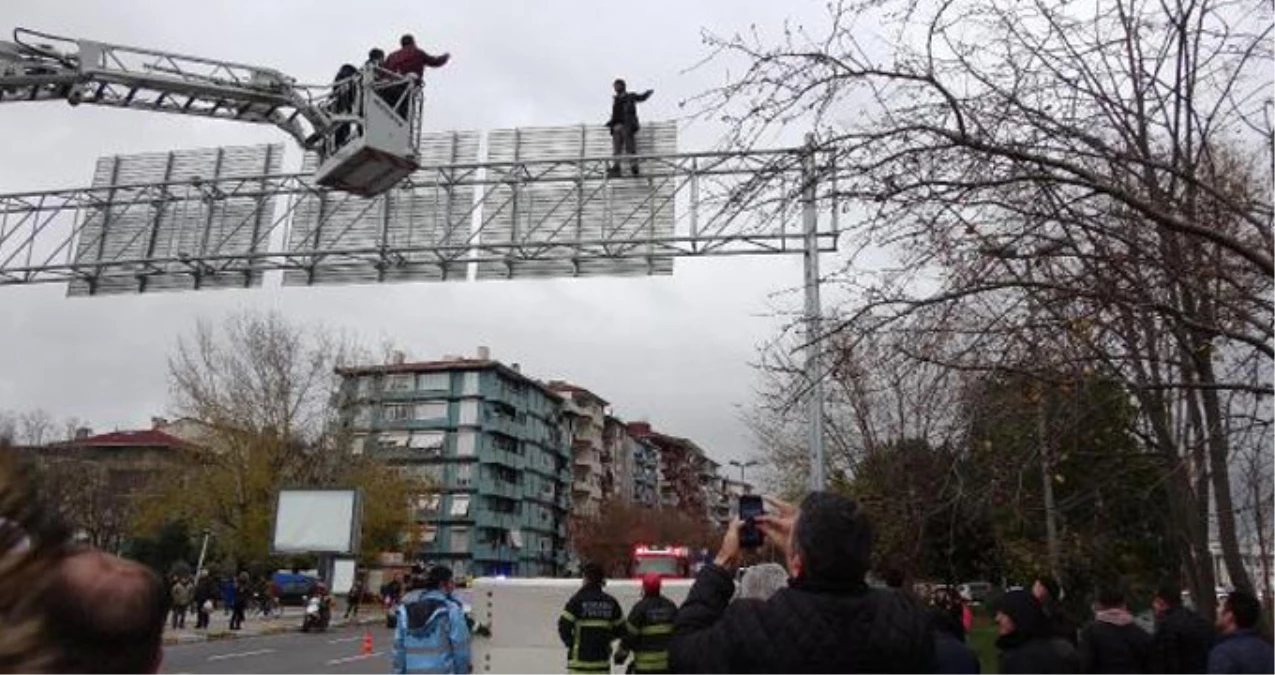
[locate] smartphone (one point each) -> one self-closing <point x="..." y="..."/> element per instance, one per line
<point x="750" y="506"/>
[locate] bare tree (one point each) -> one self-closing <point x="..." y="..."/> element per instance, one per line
<point x="36" y="427"/>
<point x="1059" y="188"/>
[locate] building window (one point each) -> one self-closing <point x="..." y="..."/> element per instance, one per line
<point x="464" y="475"/>
<point x="434" y="382"/>
<point x="396" y="412"/>
<point x="363" y="416"/>
<point x="460" y="540"/>
<point x="469" y="413"/>
<point x="515" y="538"/>
<point x="428" y="533"/>
<point x="433" y="410"/>
<point x="357" y="443"/>
<point x="460" y="506"/>
<point x="400" y="382"/>
<point x="470" y="387"/>
<point x="465" y="444"/>
<point x="428" y="442"/>
<point x="367" y="385"/>
<point x="393" y="440"/>
<point x="502" y="442"/>
<point x="428" y="502"/>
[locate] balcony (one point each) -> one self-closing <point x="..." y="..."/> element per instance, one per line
<point x="496" y="552"/>
<point x="492" y="455"/>
<point x="500" y="488"/>
<point x="496" y="519"/>
<point x="504" y="425"/>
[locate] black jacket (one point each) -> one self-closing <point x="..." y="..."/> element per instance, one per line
<point x="1181" y="642"/>
<point x="590" y="622"/>
<point x="951" y="654"/>
<point x="800" y="629"/>
<point x="624" y="110"/>
<point x="649" y="629"/>
<point x="1032" y="648"/>
<point x="1110" y="648"/>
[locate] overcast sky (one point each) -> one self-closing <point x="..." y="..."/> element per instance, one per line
<point x="674" y="350"/>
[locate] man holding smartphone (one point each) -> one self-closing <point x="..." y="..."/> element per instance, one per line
<point x="827" y="621"/>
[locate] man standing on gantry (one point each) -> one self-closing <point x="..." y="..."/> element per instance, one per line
<point x="624" y="125"/>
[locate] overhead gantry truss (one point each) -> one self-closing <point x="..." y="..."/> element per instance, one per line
<point x="450" y="221"/>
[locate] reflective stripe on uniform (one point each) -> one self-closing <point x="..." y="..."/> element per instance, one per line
<point x="650" y="661"/>
<point x="588" y="666"/>
<point x="440" y="670"/>
<point x="426" y="651"/>
<point x="568" y="615"/>
<point x="656" y="629"/>
<point x="596" y="623"/>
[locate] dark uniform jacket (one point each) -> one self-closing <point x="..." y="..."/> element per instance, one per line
<point x="591" y="621"/>
<point x="1112" y="648"/>
<point x="649" y="629"/>
<point x="805" y="628"/>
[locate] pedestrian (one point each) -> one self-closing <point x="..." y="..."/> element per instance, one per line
<point x="375" y="58"/>
<point x="227" y="594"/>
<point x="354" y="598"/>
<point x="828" y="620"/>
<point x="624" y="125"/>
<point x="1182" y="637"/>
<point x="431" y="635"/>
<point x="590" y="622"/>
<point x="1239" y="648"/>
<point x="951" y="654"/>
<point x="408" y="59"/>
<point x="1048" y="593"/>
<point x="205" y="591"/>
<point x="1025" y="641"/>
<point x="1112" y="642"/>
<point x="182" y="593"/>
<point x="240" y="603"/>
<point x="648" y="629"/>
<point x="759" y="582"/>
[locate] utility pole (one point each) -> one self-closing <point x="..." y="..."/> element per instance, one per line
<point x="203" y="550"/>
<point x="813" y="319"/>
<point x="742" y="466"/>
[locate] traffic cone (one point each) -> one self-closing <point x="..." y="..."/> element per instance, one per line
<point x="367" y="642"/>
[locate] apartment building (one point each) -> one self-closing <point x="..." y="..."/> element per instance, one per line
<point x="681" y="465"/>
<point x="645" y="474"/>
<point x="496" y="443"/>
<point x="588" y="413"/>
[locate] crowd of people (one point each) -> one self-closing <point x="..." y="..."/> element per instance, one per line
<point x="68" y="608"/>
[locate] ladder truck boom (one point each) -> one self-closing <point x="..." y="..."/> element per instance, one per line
<point x="39" y="67"/>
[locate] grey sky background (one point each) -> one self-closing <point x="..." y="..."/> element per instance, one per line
<point x="674" y="350"/>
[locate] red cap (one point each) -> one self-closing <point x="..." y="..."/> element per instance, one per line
<point x="650" y="583"/>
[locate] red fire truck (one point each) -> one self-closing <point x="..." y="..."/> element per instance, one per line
<point x="670" y="562"/>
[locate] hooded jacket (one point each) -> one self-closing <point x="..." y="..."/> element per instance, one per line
<point x="806" y="628"/>
<point x="951" y="654"/>
<point x="1113" y="643"/>
<point x="431" y="635"/>
<point x="1030" y="648"/>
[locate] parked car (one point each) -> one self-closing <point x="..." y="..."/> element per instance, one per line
<point x="976" y="591"/>
<point x="293" y="589"/>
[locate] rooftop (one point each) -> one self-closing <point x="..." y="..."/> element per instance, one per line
<point x="147" y="438"/>
<point x="447" y="365"/>
<point x="568" y="388"/>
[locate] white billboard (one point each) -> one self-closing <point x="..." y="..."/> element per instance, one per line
<point x="317" y="521"/>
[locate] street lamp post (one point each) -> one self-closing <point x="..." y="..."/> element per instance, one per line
<point x="203" y="550"/>
<point x="742" y="466"/>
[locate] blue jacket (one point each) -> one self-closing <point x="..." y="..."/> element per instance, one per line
<point x="431" y="635"/>
<point x="1242" y="652"/>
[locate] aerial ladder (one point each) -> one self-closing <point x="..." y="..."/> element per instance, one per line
<point x="365" y="128"/>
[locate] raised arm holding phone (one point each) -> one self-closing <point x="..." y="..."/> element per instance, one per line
<point x="828" y="620"/>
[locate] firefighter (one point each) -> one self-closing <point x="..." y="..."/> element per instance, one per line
<point x="591" y="621"/>
<point x="649" y="628"/>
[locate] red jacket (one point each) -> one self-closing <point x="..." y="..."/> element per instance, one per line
<point x="412" y="60"/>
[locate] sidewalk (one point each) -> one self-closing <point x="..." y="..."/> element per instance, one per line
<point x="254" y="626"/>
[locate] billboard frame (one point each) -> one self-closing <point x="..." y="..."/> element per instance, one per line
<point x="356" y="523"/>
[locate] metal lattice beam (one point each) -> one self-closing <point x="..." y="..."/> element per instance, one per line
<point x="727" y="203"/>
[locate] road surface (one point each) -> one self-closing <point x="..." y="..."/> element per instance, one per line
<point x="334" y="651"/>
